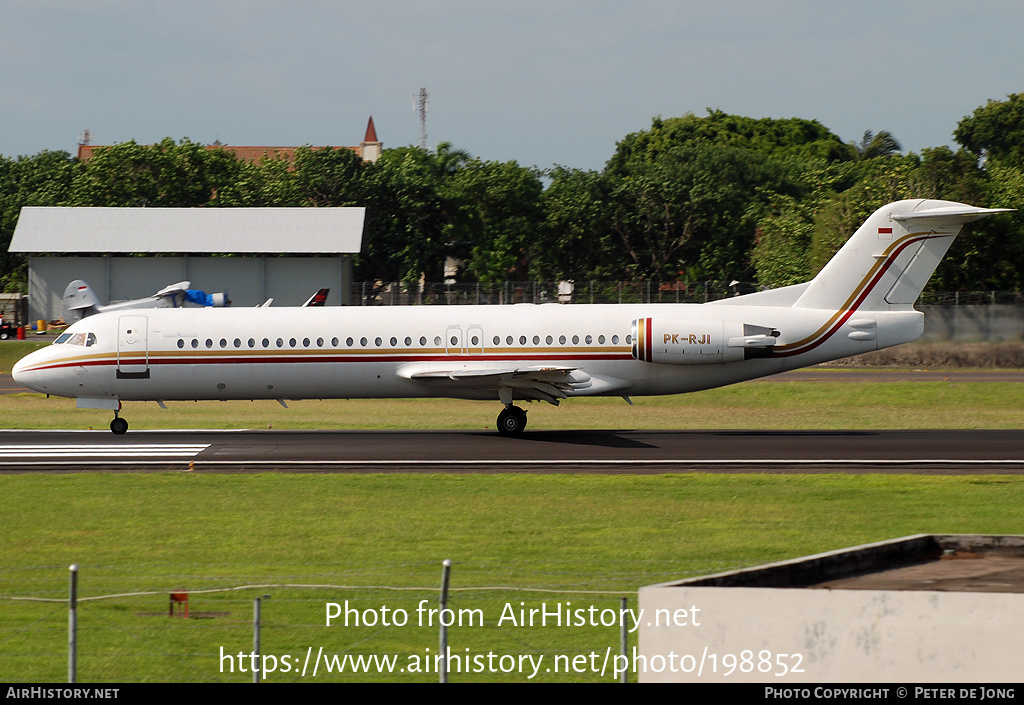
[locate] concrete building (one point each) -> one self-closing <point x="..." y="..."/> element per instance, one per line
<point x="919" y="609"/>
<point x="251" y="253"/>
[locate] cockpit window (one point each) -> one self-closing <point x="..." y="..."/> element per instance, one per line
<point x="82" y="339"/>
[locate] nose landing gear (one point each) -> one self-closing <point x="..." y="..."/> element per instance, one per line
<point x="511" y="421"/>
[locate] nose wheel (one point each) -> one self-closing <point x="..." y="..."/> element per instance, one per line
<point x="118" y="426"/>
<point x="511" y="421"/>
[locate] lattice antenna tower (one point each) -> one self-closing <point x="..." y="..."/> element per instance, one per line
<point x="420" y="103"/>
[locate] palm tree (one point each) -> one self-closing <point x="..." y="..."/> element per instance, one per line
<point x="881" y="145"/>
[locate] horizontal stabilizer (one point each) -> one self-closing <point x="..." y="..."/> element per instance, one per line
<point x="949" y="215"/>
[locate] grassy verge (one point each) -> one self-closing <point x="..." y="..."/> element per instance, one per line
<point x="159" y="533"/>
<point x="758" y="404"/>
<point x="563" y="533"/>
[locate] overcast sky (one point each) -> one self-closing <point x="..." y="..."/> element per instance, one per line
<point x="539" y="82"/>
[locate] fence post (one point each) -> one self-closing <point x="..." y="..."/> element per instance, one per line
<point x="446" y="573"/>
<point x="256" y="637"/>
<point x="73" y="625"/>
<point x="624" y="640"/>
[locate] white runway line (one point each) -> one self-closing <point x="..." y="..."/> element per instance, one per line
<point x="113" y="450"/>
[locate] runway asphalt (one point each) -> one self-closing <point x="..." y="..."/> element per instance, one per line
<point x="610" y="452"/>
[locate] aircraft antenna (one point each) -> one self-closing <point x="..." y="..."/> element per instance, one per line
<point x="420" y="103"/>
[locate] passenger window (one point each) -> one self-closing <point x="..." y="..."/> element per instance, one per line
<point x="378" y="342"/>
<point x="475" y="340"/>
<point x="223" y="343"/>
<point x="195" y="342"/>
<point x="536" y="340"/>
<point x="423" y="340"/>
<point x="629" y="339"/>
<point x="508" y="340"/>
<point x="394" y="341"/>
<point x="238" y="343"/>
<point x="305" y="342"/>
<point x="437" y="340"/>
<point x="181" y="343"/>
<point x="522" y="340"/>
<point x="575" y="340"/>
<point x="615" y="340"/>
<point x="319" y="342"/>
<point x="266" y="343"/>
<point x="209" y="343"/>
<point x="252" y="343"/>
<point x="497" y="340"/>
<point x="291" y="342"/>
<point x="280" y="342"/>
<point x="550" y="340"/>
<point x="600" y="339"/>
<point x="362" y="341"/>
<point x="334" y="342"/>
<point x="408" y="341"/>
<point x="561" y="340"/>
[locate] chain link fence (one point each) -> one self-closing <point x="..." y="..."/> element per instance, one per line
<point x="378" y="293"/>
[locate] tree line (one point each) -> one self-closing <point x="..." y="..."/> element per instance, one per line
<point x="694" y="198"/>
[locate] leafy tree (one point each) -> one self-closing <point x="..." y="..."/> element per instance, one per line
<point x="576" y="235"/>
<point x="499" y="212"/>
<point x="161" y="175"/>
<point x="406" y="218"/>
<point x="995" y="131"/>
<point x="781" y="243"/>
<point x="267" y="184"/>
<point x="328" y="176"/>
<point x="791" y="137"/>
<point x="41" y="180"/>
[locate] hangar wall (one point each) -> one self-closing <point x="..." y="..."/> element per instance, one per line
<point x="249" y="281"/>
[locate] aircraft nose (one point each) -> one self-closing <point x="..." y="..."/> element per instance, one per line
<point x="24" y="374"/>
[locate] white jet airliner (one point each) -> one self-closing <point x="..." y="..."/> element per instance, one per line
<point x="862" y="300"/>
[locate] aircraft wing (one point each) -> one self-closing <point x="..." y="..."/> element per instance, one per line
<point x="550" y="383"/>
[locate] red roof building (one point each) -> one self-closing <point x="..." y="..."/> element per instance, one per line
<point x="369" y="149"/>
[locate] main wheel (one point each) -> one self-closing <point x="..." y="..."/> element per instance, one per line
<point x="511" y="421"/>
<point x="118" y="426"/>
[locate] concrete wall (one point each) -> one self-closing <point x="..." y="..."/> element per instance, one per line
<point x="889" y="612"/>
<point x="249" y="281"/>
<point x="829" y="636"/>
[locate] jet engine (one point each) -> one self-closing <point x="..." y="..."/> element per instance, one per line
<point x="679" y="341"/>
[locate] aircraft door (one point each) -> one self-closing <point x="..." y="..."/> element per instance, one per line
<point x="132" y="347"/>
<point x="454" y="343"/>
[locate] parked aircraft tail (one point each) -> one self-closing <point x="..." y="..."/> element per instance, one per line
<point x="889" y="259"/>
<point x="79" y="301"/>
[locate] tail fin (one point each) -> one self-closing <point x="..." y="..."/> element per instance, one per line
<point x="887" y="262"/>
<point x="79" y="301"/>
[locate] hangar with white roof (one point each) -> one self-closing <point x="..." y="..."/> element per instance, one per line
<point x="253" y="254"/>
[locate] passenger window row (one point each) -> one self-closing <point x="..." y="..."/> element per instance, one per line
<point x="474" y="341"/>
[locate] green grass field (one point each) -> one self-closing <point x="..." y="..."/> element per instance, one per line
<point x="587" y="539"/>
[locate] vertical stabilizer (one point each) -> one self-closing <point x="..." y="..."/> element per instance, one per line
<point x="79" y="301"/>
<point x="888" y="261"/>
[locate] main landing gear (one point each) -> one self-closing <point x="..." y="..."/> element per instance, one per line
<point x="118" y="426"/>
<point x="511" y="421"/>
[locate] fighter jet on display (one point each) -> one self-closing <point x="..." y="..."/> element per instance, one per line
<point x="862" y="300"/>
<point x="80" y="301"/>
